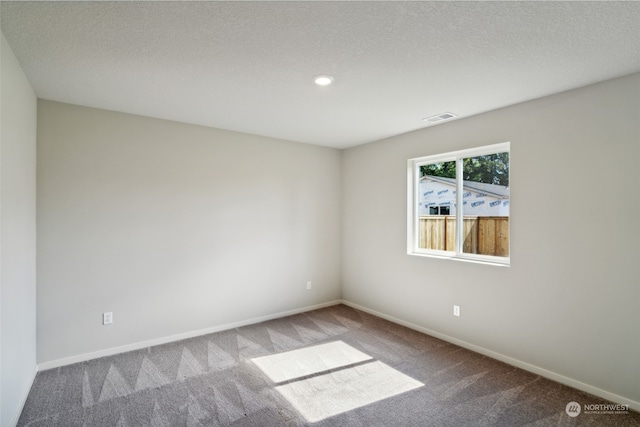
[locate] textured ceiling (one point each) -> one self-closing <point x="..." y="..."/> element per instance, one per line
<point x="248" y="66"/>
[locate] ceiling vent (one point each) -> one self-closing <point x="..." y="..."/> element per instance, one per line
<point x="440" y="118"/>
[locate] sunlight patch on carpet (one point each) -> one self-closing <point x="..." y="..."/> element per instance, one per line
<point x="309" y="360"/>
<point x="329" y="379"/>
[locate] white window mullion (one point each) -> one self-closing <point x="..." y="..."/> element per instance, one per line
<point x="459" y="207"/>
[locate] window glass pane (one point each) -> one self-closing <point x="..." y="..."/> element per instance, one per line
<point x="486" y="205"/>
<point x="436" y="206"/>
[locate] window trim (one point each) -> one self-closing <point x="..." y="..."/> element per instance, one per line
<point x="413" y="176"/>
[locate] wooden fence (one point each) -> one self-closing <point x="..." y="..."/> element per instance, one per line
<point x="486" y="235"/>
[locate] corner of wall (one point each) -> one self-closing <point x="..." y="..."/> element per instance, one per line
<point x="18" y="117"/>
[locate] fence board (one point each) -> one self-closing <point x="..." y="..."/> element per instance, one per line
<point x="486" y="235"/>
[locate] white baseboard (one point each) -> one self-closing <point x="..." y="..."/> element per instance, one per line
<point x="23" y="399"/>
<point x="511" y="361"/>
<point x="164" y="340"/>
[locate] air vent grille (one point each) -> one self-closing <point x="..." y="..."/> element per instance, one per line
<point x="440" y="117"/>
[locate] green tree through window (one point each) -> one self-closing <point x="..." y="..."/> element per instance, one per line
<point x="487" y="169"/>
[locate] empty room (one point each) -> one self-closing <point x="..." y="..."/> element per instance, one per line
<point x="264" y="213"/>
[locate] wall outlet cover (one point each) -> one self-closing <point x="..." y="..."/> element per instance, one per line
<point x="107" y="318"/>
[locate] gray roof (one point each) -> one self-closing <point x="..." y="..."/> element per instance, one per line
<point x="490" y="189"/>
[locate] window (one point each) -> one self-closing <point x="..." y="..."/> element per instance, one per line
<point x="439" y="210"/>
<point x="459" y="204"/>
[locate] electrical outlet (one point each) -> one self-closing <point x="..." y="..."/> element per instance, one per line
<point x="456" y="310"/>
<point x="107" y="318"/>
<point x="309" y="285"/>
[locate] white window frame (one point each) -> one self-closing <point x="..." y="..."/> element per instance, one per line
<point x="413" y="176"/>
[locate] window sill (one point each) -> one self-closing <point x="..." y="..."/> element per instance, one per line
<point x="462" y="258"/>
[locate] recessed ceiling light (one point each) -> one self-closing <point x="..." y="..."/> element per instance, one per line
<point x="323" y="80"/>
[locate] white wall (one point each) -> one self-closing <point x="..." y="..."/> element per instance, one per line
<point x="175" y="228"/>
<point x="17" y="236"/>
<point x="569" y="302"/>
